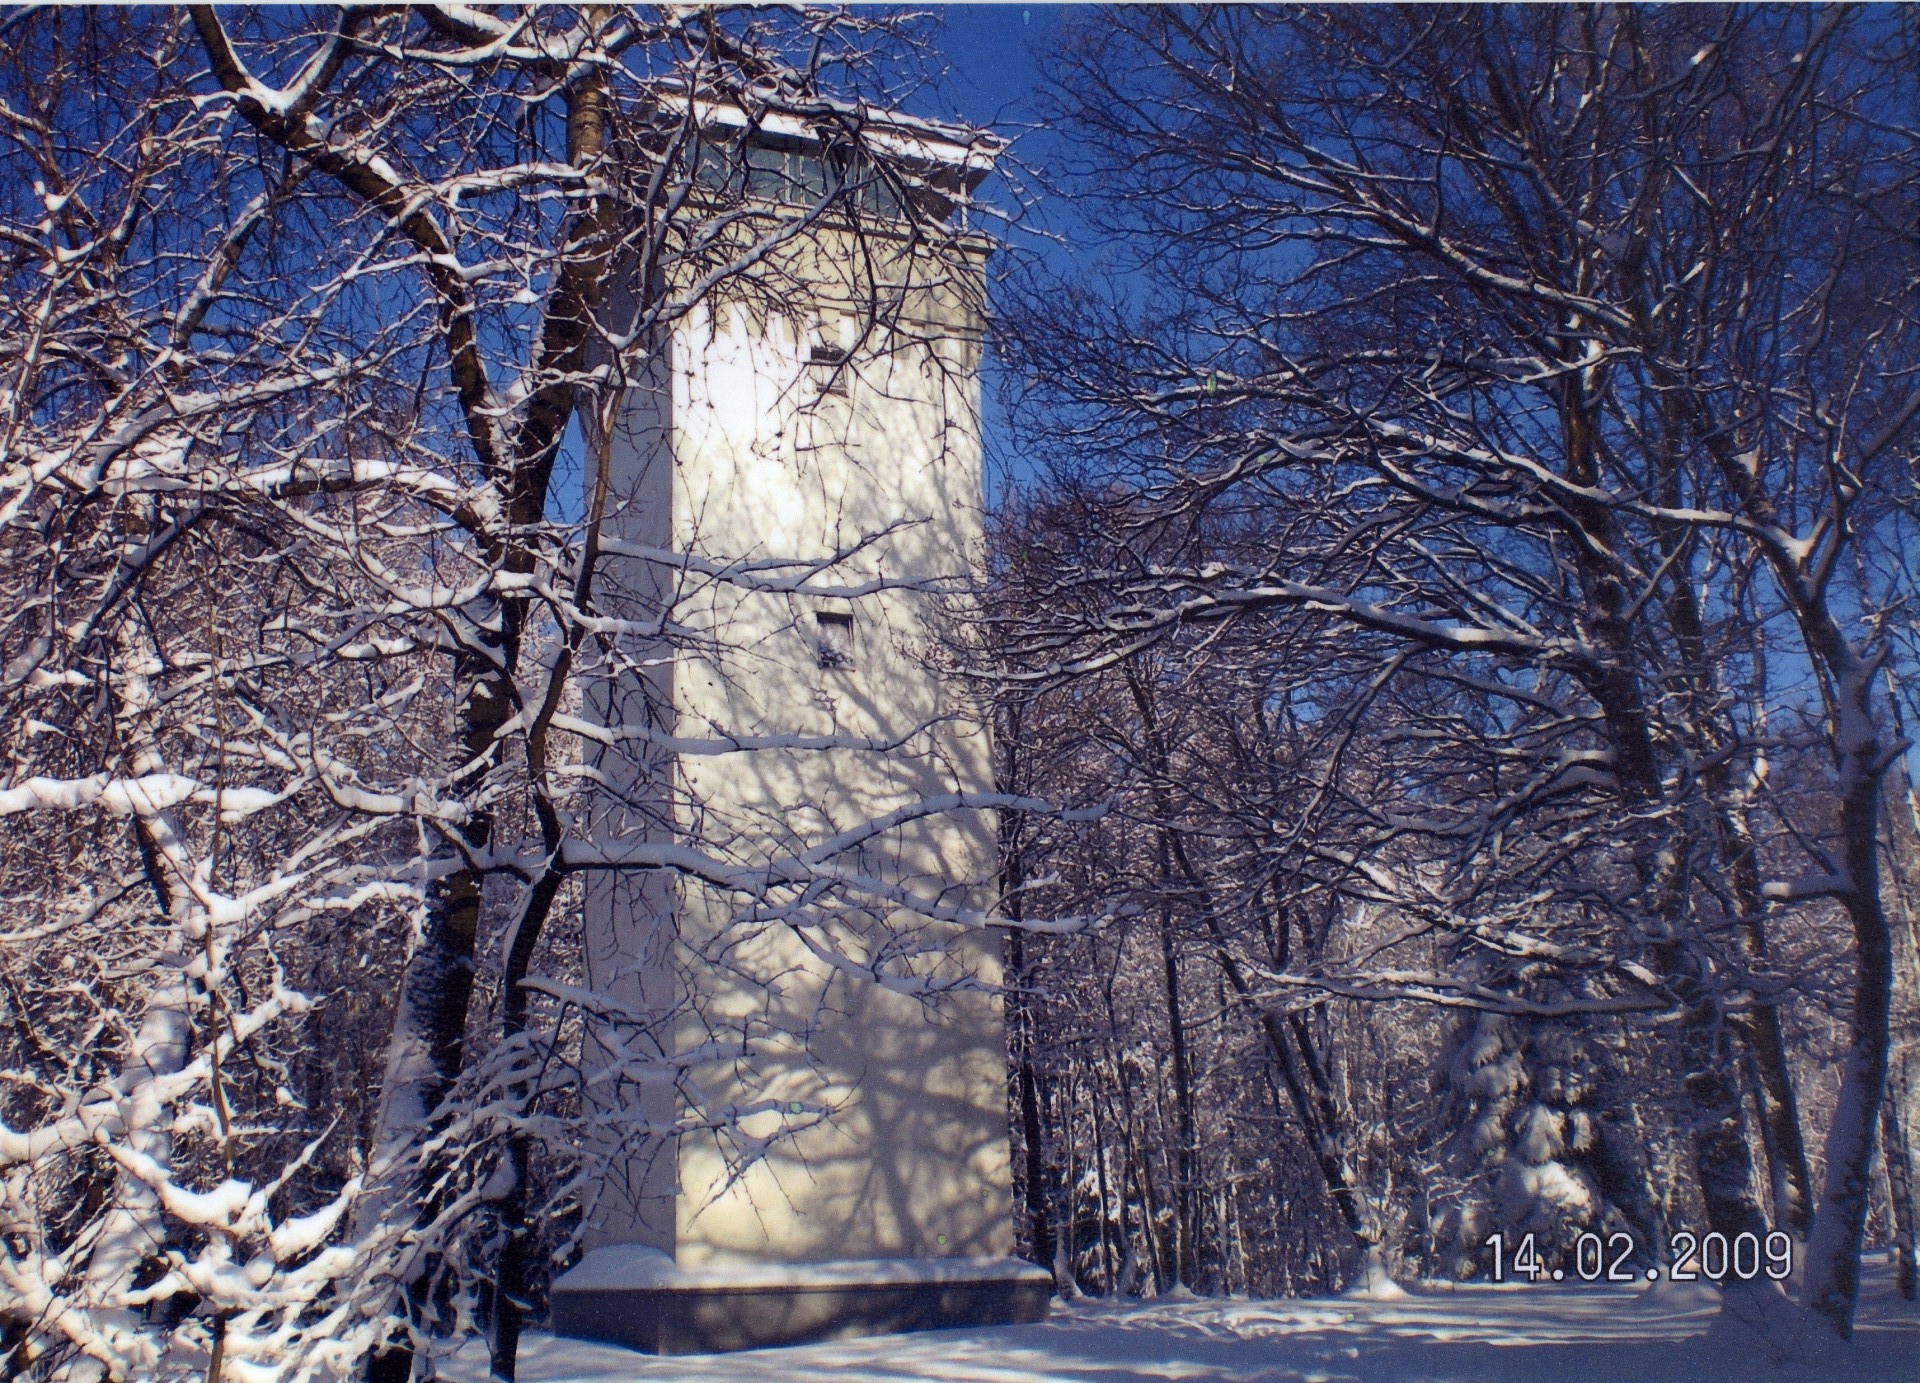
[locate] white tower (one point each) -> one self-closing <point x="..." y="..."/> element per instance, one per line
<point x="819" y="1153"/>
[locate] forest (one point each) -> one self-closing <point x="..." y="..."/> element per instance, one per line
<point x="1446" y="620"/>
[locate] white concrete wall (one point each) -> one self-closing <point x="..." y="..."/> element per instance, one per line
<point x="877" y="1121"/>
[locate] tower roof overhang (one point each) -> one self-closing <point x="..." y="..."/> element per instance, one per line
<point x="951" y="158"/>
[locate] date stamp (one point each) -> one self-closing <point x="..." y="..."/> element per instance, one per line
<point x="1690" y="1257"/>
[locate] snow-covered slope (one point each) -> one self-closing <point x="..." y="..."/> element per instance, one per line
<point x="1444" y="1334"/>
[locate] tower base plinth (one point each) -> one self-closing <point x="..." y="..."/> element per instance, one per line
<point x="637" y="1297"/>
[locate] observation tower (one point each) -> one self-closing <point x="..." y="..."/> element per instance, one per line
<point x="799" y="1091"/>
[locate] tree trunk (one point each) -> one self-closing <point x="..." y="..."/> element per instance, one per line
<point x="1183" y="1226"/>
<point x="1034" y="1187"/>
<point x="1722" y="1160"/>
<point x="510" y="1273"/>
<point x="1903" y="853"/>
<point x="1065" y="1280"/>
<point x="1789" y="1175"/>
<point x="1760" y="1033"/>
<point x="133" y="1232"/>
<point x="430" y="1021"/>
<point x="1791" y="1179"/>
<point x="1141" y="1165"/>
<point x="1833" y="1248"/>
<point x="1897" y="1153"/>
<point x="1304" y="1079"/>
<point x="1159" y="759"/>
<point x="1094" y="1101"/>
<point x="1723" y="1163"/>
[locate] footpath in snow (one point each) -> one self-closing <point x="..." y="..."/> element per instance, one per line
<point x="1443" y="1334"/>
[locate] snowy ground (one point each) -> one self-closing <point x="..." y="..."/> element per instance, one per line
<point x="1463" y="1334"/>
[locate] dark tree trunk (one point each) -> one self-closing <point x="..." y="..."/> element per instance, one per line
<point x="1779" y="1109"/>
<point x="1035" y="1188"/>
<point x="1897" y="1154"/>
<point x="1833" y="1248"/>
<point x="1304" y="1078"/>
<point x="431" y="1020"/>
<point x="1094" y="1101"/>
<point x="1723" y="1163"/>
<point x="510" y="1281"/>
<point x="1759" y="1031"/>
<point x="1183" y="1238"/>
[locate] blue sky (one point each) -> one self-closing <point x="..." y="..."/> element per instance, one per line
<point x="991" y="50"/>
<point x="992" y="53"/>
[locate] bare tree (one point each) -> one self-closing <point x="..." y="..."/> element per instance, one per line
<point x="317" y="327"/>
<point x="1559" y="362"/>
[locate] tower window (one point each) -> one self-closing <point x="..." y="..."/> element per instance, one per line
<point x="833" y="639"/>
<point x="829" y="365"/>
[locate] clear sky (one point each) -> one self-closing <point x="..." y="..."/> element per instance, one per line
<point x="991" y="49"/>
<point x="992" y="54"/>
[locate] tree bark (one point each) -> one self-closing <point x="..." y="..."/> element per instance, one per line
<point x="1034" y="1186"/>
<point x="1833" y="1248"/>
<point x="1897" y="1153"/>
<point x="1184" y="1236"/>
<point x="1183" y="1240"/>
<point x="1903" y="841"/>
<point x="1723" y="1162"/>
<point x="1065" y="1280"/>
<point x="1094" y="1101"/>
<point x="1759" y="1031"/>
<point x="1019" y="1015"/>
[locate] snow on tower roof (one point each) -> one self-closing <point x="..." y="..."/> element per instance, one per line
<point x="939" y="146"/>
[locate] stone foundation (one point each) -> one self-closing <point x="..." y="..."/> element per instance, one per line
<point x="637" y="1297"/>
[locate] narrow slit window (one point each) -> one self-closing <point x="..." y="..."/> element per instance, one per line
<point x="829" y="364"/>
<point x="833" y="639"/>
